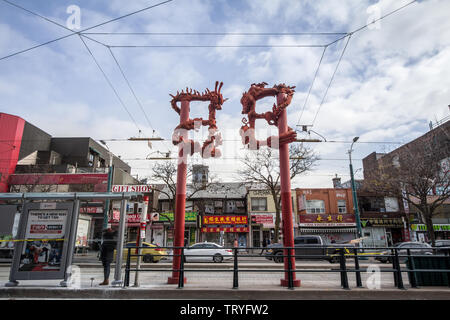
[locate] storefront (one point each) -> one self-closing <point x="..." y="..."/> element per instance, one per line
<point x="262" y="225"/>
<point x="441" y="232"/>
<point x="224" y="229"/>
<point x="332" y="228"/>
<point x="162" y="228"/>
<point x="383" y="232"/>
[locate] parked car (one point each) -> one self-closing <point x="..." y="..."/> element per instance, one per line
<point x="416" y="248"/>
<point x="151" y="252"/>
<point x="443" y="247"/>
<point x="313" y="247"/>
<point x="207" y="251"/>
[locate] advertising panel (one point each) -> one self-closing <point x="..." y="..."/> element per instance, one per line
<point x="44" y="240"/>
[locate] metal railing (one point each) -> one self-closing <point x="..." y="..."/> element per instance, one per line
<point x="333" y="254"/>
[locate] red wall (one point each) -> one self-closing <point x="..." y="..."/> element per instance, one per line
<point x="11" y="132"/>
<point x="99" y="180"/>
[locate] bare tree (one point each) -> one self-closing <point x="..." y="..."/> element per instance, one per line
<point x="166" y="172"/>
<point x="262" y="169"/>
<point x="418" y="174"/>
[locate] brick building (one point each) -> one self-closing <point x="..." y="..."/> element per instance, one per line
<point x="326" y="212"/>
<point x="406" y="217"/>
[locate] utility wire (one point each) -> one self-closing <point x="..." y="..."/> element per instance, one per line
<point x="223" y="46"/>
<point x="374" y="21"/>
<point x="131" y="89"/>
<point x="312" y="84"/>
<point x="101" y="43"/>
<point x="217" y="33"/>
<point x="79" y="32"/>
<point x="331" y="80"/>
<point x="349" y="35"/>
<point x="48" y="20"/>
<point x="109" y="82"/>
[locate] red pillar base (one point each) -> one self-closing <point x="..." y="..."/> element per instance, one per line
<point x="173" y="280"/>
<point x="285" y="283"/>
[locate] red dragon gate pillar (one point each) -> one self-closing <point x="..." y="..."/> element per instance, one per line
<point x="189" y="147"/>
<point x="286" y="135"/>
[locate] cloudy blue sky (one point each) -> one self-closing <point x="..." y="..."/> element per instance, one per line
<point x="392" y="80"/>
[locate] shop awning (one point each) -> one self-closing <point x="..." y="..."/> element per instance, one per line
<point x="327" y="230"/>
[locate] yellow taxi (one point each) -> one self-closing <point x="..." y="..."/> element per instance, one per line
<point x="150" y="252"/>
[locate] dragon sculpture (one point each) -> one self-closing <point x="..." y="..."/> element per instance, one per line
<point x="214" y="138"/>
<point x="256" y="92"/>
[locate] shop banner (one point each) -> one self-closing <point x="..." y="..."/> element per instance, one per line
<point x="188" y="216"/>
<point x="225" y="229"/>
<point x="266" y="219"/>
<point x="225" y="220"/>
<point x="91" y="210"/>
<point x="436" y="227"/>
<point x="327" y="220"/>
<point x="131" y="218"/>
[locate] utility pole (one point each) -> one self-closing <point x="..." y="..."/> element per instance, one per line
<point x="110" y="179"/>
<point x="355" y="198"/>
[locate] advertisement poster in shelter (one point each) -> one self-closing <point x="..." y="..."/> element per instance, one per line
<point x="45" y="234"/>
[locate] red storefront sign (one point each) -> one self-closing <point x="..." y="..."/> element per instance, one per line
<point x="133" y="220"/>
<point x="91" y="210"/>
<point x="327" y="220"/>
<point x="225" y="229"/>
<point x="225" y="220"/>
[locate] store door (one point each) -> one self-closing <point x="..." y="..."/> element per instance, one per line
<point x="256" y="238"/>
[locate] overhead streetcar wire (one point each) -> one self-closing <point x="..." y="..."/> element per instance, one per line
<point x="79" y="32"/>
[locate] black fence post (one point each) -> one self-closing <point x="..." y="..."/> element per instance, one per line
<point x="394" y="267"/>
<point x="127" y="269"/>
<point x="343" y="267"/>
<point x="235" y="270"/>
<point x="358" y="273"/>
<point x="399" y="271"/>
<point x="181" y="271"/>
<point x="412" y="274"/>
<point x="290" y="275"/>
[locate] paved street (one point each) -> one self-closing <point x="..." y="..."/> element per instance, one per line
<point x="254" y="273"/>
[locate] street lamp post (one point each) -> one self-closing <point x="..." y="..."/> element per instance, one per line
<point x="355" y="198"/>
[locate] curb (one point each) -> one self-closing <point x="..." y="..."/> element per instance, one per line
<point x="228" y="294"/>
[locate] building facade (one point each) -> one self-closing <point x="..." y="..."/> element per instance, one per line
<point x="326" y="212"/>
<point x="262" y="213"/>
<point x="412" y="224"/>
<point x="215" y="213"/>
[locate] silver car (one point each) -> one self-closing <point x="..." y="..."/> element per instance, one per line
<point x="207" y="251"/>
<point x="415" y="248"/>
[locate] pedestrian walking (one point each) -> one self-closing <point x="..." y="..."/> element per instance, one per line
<point x="235" y="244"/>
<point x="264" y="246"/>
<point x="107" y="253"/>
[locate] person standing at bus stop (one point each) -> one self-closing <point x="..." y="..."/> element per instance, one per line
<point x="107" y="253"/>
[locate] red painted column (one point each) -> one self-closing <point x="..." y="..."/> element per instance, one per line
<point x="286" y="203"/>
<point x="180" y="204"/>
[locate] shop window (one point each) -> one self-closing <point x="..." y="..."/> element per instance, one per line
<point x="259" y="204"/>
<point x="342" y="207"/>
<point x="315" y="206"/>
<point x="91" y="157"/>
<point x="165" y="206"/>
